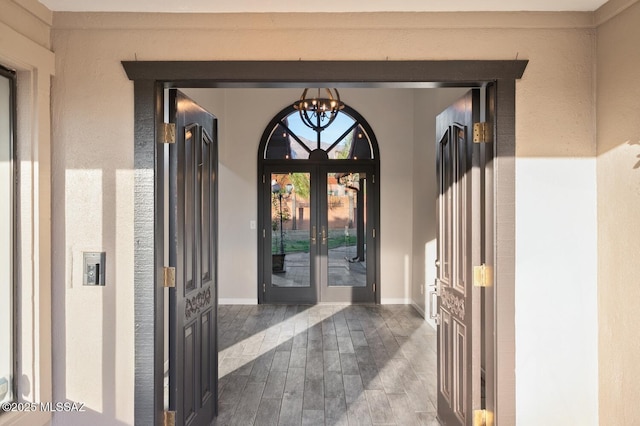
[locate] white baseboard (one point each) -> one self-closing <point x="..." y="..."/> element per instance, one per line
<point x="391" y="301"/>
<point x="419" y="310"/>
<point x="251" y="301"/>
<point x="424" y="315"/>
<point x="237" y="301"/>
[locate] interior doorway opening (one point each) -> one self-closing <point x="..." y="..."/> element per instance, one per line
<point x="296" y="190"/>
<point x="149" y="79"/>
<point x="403" y="121"/>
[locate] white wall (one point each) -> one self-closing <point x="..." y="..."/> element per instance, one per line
<point x="239" y="138"/>
<point x="562" y="193"/>
<point x="243" y="115"/>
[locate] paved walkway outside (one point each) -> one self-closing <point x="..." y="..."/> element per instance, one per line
<point x="326" y="365"/>
<point x="342" y="272"/>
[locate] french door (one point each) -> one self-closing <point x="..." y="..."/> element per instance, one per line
<point x="318" y="233"/>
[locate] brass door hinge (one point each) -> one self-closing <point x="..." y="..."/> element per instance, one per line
<point x="482" y="418"/>
<point x="482" y="276"/>
<point x="169" y="278"/>
<point x="374" y="287"/>
<point x="169" y="418"/>
<point x="482" y="132"/>
<point x="167" y="133"/>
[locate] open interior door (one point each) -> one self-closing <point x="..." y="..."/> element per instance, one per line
<point x="460" y="228"/>
<point x="193" y="363"/>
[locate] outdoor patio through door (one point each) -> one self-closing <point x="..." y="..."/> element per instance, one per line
<point x="318" y="201"/>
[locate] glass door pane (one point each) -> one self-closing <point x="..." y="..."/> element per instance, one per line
<point x="345" y="238"/>
<point x="291" y="230"/>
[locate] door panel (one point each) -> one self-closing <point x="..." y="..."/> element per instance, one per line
<point x="289" y="236"/>
<point x="346" y="261"/>
<point x="345" y="274"/>
<point x="460" y="210"/>
<point x="192" y="251"/>
<point x="290" y="230"/>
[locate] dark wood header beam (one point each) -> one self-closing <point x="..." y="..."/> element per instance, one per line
<point x="358" y="73"/>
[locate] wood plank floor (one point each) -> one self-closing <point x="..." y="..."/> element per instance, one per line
<point x="325" y="365"/>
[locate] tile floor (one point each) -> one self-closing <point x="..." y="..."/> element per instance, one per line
<point x="326" y="365"/>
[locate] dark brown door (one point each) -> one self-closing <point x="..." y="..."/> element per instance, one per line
<point x="193" y="361"/>
<point x="459" y="249"/>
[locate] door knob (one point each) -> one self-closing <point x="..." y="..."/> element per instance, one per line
<point x="313" y="235"/>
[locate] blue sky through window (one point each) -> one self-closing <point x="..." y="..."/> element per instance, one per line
<point x="329" y="135"/>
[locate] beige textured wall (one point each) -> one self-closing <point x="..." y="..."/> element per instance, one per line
<point x="93" y="162"/>
<point x="29" y="18"/>
<point x="618" y="135"/>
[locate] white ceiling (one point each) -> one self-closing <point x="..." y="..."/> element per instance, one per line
<point x="231" y="6"/>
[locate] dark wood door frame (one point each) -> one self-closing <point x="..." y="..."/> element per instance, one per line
<point x="151" y="77"/>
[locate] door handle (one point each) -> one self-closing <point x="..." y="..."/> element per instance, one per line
<point x="313" y="235"/>
<point x="433" y="307"/>
<point x="433" y="314"/>
<point x="324" y="235"/>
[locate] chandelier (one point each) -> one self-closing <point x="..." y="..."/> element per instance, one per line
<point x="319" y="112"/>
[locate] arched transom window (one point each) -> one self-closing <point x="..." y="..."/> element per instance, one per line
<point x="348" y="137"/>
